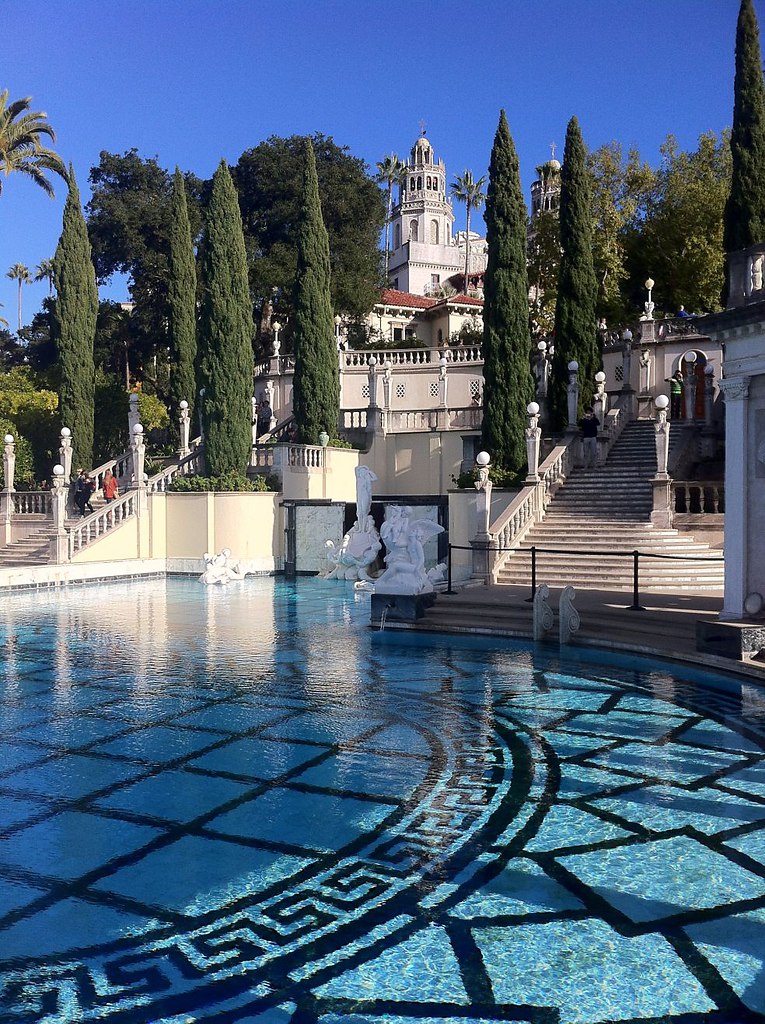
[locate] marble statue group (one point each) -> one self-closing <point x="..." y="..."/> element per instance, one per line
<point x="404" y="539"/>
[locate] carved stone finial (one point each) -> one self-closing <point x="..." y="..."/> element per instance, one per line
<point x="568" y="616"/>
<point x="542" y="612"/>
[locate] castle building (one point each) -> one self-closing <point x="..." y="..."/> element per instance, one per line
<point x="425" y="254"/>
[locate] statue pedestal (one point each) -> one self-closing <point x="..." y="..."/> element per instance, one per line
<point x="400" y="607"/>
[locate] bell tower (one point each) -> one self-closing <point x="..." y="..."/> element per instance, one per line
<point x="422" y="219"/>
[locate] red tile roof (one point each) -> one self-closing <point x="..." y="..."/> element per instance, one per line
<point x="390" y="297"/>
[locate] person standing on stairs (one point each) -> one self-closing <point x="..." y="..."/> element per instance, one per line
<point x="675" y="394"/>
<point x="589" y="424"/>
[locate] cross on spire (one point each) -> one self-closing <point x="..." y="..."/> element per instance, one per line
<point x="552" y="149"/>
<point x="423" y="127"/>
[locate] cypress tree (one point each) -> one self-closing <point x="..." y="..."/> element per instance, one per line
<point x="316" y="386"/>
<point x="73" y="326"/>
<point x="508" y="386"/>
<point x="182" y="304"/>
<point x="744" y="222"/>
<point x="575" y="322"/>
<point x="225" y="333"/>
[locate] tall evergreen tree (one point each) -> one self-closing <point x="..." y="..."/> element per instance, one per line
<point x="744" y="223"/>
<point x="316" y="386"/>
<point x="73" y="326"/>
<point x="575" y="322"/>
<point x="508" y="384"/>
<point x="182" y="304"/>
<point x="225" y="333"/>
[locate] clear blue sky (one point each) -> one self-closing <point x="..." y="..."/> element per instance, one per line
<point x="191" y="81"/>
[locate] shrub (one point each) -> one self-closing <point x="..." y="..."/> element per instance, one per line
<point x="227" y="482"/>
<point x="498" y="476"/>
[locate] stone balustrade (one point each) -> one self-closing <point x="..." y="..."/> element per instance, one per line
<point x="190" y="464"/>
<point x="528" y="507"/>
<point x="25" y="503"/>
<point x="698" y="497"/>
<point x="100" y="522"/>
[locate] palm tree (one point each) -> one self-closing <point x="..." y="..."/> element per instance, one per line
<point x="45" y="273"/>
<point x="19" y="272"/>
<point x="21" y="148"/>
<point x="467" y="191"/>
<point x="3" y="321"/>
<point x="389" y="171"/>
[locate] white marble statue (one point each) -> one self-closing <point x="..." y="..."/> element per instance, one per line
<point x="354" y="556"/>
<point x="221" y="568"/>
<point x="405" y="559"/>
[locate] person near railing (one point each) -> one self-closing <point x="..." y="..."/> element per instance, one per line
<point x="109" y="486"/>
<point x="589" y="424"/>
<point x="83" y="489"/>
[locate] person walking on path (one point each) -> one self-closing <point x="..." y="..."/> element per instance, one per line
<point x="675" y="394"/>
<point x="589" y="425"/>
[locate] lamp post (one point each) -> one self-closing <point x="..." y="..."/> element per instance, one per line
<point x="649" y="306"/>
<point x="533" y="436"/>
<point x="601" y="398"/>
<point x="277" y="344"/>
<point x="65" y="452"/>
<point x="184" y="422"/>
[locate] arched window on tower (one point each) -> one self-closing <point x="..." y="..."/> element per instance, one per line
<point x="412" y="230"/>
<point x="434" y="232"/>
<point x="397" y="236"/>
<point x="412" y="184"/>
<point x="419" y="181"/>
<point x="430" y="182"/>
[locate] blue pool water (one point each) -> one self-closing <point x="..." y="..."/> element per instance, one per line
<point x="242" y="805"/>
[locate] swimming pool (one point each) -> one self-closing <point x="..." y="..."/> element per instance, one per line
<point x="242" y="805"/>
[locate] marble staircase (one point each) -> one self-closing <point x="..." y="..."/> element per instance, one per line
<point x="600" y="517"/>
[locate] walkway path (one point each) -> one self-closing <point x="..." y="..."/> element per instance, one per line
<point x="667" y="626"/>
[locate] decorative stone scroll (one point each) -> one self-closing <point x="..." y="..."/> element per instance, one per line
<point x="568" y="616"/>
<point x="543" y="616"/>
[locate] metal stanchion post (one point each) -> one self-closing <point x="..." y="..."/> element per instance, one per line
<point x="449" y="570"/>
<point x="635" y="606"/>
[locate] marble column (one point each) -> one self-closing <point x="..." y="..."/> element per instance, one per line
<point x="736" y="394"/>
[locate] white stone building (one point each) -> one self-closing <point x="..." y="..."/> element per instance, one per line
<point x="425" y="253"/>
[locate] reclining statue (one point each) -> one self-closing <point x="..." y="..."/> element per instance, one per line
<point x="221" y="568"/>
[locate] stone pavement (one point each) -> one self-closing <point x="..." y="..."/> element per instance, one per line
<point x="667" y="626"/>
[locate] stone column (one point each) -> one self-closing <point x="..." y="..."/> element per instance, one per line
<point x="200" y="404"/>
<point x="134" y="415"/>
<point x="736" y="394"/>
<point x="65" y="452"/>
<point x="138" y="449"/>
<point x="270" y="396"/>
<point x="184" y="423"/>
<point x="374" y="418"/>
<point x="689" y="377"/>
<point x="442" y="381"/>
<point x="661" y="513"/>
<point x="9" y="470"/>
<point x="572" y="395"/>
<point x="482" y="544"/>
<point x="387" y="386"/>
<point x="533" y="437"/>
<point x="254" y="417"/>
<point x="59" y="495"/>
<point x="600" y="401"/>
<point x="709" y="394"/>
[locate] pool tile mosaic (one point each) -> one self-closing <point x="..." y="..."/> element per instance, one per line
<point x="274" y="815"/>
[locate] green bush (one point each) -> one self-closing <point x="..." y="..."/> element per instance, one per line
<point x="23" y="474"/>
<point x="226" y="482"/>
<point x="499" y="477"/>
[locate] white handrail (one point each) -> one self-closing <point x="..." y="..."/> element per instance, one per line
<point x="100" y="522"/>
